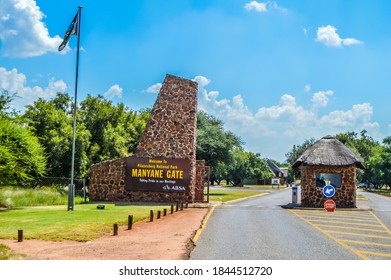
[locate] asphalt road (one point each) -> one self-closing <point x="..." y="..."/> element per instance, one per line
<point x="259" y="229"/>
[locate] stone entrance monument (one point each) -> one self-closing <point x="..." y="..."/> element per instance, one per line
<point x="163" y="168"/>
<point x="328" y="162"/>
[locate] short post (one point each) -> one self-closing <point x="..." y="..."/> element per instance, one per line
<point x="177" y="206"/>
<point x="151" y="215"/>
<point x="115" y="229"/>
<point x="164" y="212"/>
<point x="20" y="235"/>
<point x="130" y="222"/>
<point x="158" y="214"/>
<point x="172" y="209"/>
<point x="187" y="205"/>
<point x="181" y="205"/>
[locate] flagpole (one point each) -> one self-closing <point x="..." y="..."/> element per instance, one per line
<point x="71" y="189"/>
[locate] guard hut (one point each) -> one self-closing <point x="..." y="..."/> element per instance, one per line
<point x="328" y="162"/>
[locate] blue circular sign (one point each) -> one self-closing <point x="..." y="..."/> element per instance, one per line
<point x="328" y="191"/>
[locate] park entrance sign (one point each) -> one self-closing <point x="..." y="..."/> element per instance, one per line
<point x="157" y="174"/>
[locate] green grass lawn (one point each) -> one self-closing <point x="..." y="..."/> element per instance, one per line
<point x="380" y="191"/>
<point x="227" y="195"/>
<point x="85" y="223"/>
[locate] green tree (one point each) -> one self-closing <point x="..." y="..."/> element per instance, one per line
<point x="115" y="130"/>
<point x="52" y="123"/>
<point x="214" y="144"/>
<point x="21" y="156"/>
<point x="386" y="162"/>
<point x="239" y="168"/>
<point x="258" y="167"/>
<point x="364" y="146"/>
<point x="295" y="153"/>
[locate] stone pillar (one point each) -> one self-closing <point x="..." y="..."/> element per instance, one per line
<point x="169" y="133"/>
<point x="200" y="181"/>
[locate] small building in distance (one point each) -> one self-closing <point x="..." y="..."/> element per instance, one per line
<point x="328" y="162"/>
<point x="279" y="172"/>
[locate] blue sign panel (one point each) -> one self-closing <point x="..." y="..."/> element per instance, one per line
<point x="328" y="191"/>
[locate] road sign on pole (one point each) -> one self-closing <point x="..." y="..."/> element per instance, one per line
<point x="328" y="191"/>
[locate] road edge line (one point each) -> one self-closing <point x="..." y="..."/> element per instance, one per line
<point x="203" y="225"/>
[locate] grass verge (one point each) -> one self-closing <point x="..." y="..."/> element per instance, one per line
<point x="12" y="197"/>
<point x="380" y="191"/>
<point x="6" y="254"/>
<point x="228" y="195"/>
<point x="55" y="223"/>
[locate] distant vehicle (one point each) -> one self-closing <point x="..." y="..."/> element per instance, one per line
<point x="366" y="185"/>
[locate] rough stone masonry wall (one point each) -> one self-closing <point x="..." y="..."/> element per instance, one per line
<point x="170" y="133"/>
<point x="200" y="181"/>
<point x="312" y="196"/>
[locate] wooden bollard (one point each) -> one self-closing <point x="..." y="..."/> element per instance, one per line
<point x="158" y="214"/>
<point x="151" y="215"/>
<point x="164" y="212"/>
<point x="20" y="235"/>
<point x="115" y="229"/>
<point x="172" y="209"/>
<point x="130" y="222"/>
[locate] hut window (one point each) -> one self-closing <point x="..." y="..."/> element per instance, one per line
<point x="323" y="179"/>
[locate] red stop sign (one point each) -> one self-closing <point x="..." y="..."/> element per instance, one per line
<point x="329" y="205"/>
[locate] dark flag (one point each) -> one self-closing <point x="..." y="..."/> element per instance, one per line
<point x="72" y="30"/>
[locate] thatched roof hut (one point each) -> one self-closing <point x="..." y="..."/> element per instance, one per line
<point x="329" y="151"/>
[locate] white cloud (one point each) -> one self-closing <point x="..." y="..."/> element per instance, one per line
<point x="201" y="81"/>
<point x="16" y="82"/>
<point x="262" y="7"/>
<point x="273" y="130"/>
<point x="321" y="98"/>
<point x="22" y="32"/>
<point x="256" y="6"/>
<point x="307" y="88"/>
<point x="154" y="88"/>
<point x="328" y="35"/>
<point x="114" y="91"/>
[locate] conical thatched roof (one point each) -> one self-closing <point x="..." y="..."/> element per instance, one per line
<point x="329" y="151"/>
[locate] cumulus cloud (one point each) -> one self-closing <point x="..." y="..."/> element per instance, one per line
<point x="114" y="91"/>
<point x="154" y="88"/>
<point x="22" y="32"/>
<point x="328" y="35"/>
<point x="201" y="81"/>
<point x="321" y="98"/>
<point x="273" y="130"/>
<point x="262" y="7"/>
<point x="307" y="88"/>
<point x="256" y="6"/>
<point x="15" y="82"/>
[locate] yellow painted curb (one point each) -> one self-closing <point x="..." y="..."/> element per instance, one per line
<point x="204" y="222"/>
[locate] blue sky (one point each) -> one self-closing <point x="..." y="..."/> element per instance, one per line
<point x="275" y="72"/>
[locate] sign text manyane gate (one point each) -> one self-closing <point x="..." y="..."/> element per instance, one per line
<point x="157" y="174"/>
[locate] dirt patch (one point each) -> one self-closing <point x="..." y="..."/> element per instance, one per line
<point x="168" y="238"/>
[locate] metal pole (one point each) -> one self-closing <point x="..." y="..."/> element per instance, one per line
<point x="71" y="193"/>
<point x="84" y="190"/>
